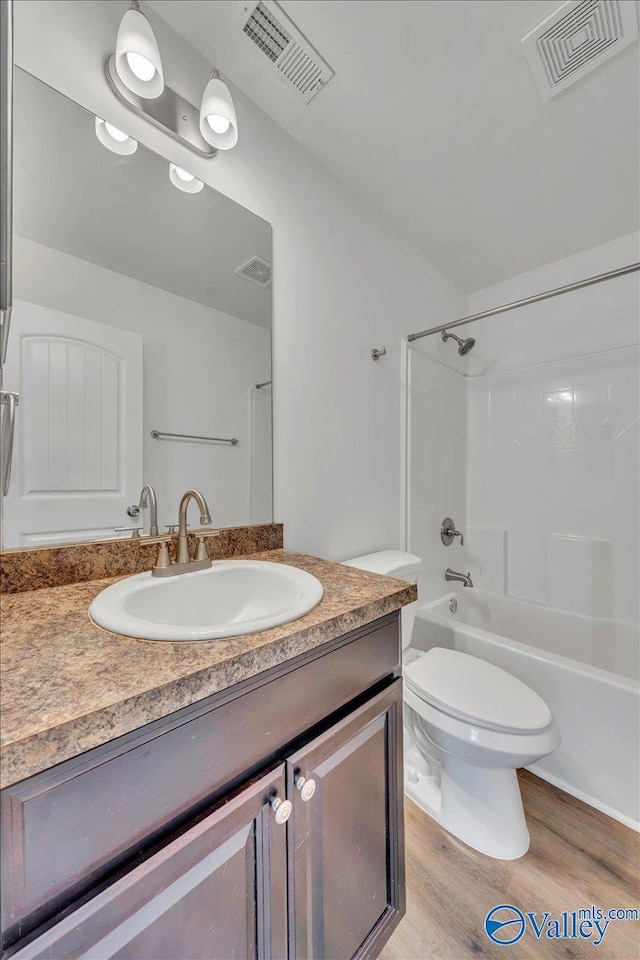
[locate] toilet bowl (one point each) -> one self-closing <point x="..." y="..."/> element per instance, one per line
<point x="468" y="726"/>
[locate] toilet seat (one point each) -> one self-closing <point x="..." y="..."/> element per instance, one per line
<point x="472" y="690"/>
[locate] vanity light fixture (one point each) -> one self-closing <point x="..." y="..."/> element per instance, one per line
<point x="134" y="73"/>
<point x="184" y="180"/>
<point x="137" y="58"/>
<point x="114" y="139"/>
<point x="218" y="122"/>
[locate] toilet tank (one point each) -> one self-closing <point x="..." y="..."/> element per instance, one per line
<point x="402" y="566"/>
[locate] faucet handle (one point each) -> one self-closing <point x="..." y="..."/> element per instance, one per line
<point x="163" y="560"/>
<point x="448" y="532"/>
<point x="201" y="549"/>
<point x="172" y="528"/>
<point x="201" y="536"/>
<point x="134" y="531"/>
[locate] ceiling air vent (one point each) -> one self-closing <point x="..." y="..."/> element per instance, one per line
<point x="285" y="50"/>
<point x="575" y="39"/>
<point x="256" y="270"/>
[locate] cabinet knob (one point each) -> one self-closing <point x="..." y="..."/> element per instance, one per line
<point x="306" y="787"/>
<point x="282" y="809"/>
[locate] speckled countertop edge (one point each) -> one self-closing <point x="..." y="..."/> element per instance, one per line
<point x="67" y="685"/>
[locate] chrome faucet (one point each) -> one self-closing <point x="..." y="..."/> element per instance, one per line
<point x="463" y="578"/>
<point x="205" y="518"/>
<point x="148" y="499"/>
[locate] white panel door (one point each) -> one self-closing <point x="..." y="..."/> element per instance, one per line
<point x="78" y="445"/>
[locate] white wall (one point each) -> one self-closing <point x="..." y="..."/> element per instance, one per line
<point x="606" y="256"/>
<point x="553" y="442"/>
<point x="199" y="367"/>
<point x="344" y="281"/>
<point x="436" y="469"/>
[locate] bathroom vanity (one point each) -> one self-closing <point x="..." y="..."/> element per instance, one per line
<point x="261" y="820"/>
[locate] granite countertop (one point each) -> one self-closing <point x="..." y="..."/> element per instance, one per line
<point x="68" y="685"/>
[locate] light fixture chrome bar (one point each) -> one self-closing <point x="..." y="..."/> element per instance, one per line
<point x="6" y="171"/>
<point x="567" y="288"/>
<point x="159" y="435"/>
<point x="265" y="383"/>
<point x="169" y="112"/>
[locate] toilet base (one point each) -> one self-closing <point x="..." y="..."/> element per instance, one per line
<point x="482" y="806"/>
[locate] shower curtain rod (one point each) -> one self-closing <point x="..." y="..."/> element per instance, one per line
<point x="620" y="272"/>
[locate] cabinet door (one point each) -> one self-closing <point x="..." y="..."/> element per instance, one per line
<point x="346" y="867"/>
<point x="216" y="891"/>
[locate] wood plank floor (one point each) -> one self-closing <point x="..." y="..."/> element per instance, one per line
<point x="578" y="857"/>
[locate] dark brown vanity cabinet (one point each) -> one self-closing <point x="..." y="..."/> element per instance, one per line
<point x="233" y="878"/>
<point x="346" y="866"/>
<point x="218" y="890"/>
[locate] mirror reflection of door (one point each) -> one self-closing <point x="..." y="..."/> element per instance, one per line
<point x="109" y="253"/>
<point x="78" y="448"/>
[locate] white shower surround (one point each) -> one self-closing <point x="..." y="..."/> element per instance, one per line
<point x="553" y="474"/>
<point x="531" y="444"/>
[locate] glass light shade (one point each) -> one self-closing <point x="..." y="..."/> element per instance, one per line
<point x="184" y="180"/>
<point x="137" y="56"/>
<point x="143" y="68"/>
<point x="114" y="139"/>
<point x="115" y="133"/>
<point x="218" y="122"/>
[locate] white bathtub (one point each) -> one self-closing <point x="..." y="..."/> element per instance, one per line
<point x="586" y="670"/>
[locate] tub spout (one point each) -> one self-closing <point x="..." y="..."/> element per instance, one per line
<point x="463" y="578"/>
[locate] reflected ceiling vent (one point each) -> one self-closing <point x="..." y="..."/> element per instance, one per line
<point x="256" y="270"/>
<point x="575" y="39"/>
<point x="286" y="52"/>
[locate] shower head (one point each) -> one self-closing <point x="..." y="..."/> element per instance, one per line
<point x="464" y="346"/>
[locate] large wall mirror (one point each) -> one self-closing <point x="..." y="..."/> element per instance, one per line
<point x="140" y="310"/>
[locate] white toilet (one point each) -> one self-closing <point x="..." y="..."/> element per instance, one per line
<point x="468" y="726"/>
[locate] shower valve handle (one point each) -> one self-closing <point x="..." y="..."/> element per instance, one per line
<point x="448" y="532"/>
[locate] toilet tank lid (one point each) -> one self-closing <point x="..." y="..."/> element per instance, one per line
<point x="389" y="563"/>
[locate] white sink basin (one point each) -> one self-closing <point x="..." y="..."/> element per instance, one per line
<point x="232" y="598"/>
